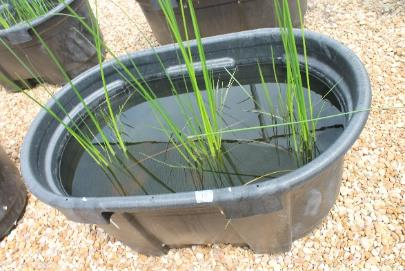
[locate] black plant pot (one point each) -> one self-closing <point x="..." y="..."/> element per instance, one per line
<point x="13" y="194"/>
<point x="65" y="36"/>
<point x="266" y="216"/>
<point x="217" y="17"/>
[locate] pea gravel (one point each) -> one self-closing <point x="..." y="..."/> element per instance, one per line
<point x="364" y="230"/>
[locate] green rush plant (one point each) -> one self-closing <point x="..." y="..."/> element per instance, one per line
<point x="294" y="112"/>
<point x="299" y="107"/>
<point x="206" y="120"/>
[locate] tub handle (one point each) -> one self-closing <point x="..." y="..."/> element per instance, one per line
<point x="213" y="65"/>
<point x="19" y="36"/>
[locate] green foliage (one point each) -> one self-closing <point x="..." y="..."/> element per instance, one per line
<point x="18" y="11"/>
<point x="299" y="106"/>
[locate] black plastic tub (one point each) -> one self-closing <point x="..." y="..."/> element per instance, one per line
<point x="266" y="216"/>
<point x="66" y="37"/>
<point x="217" y="17"/>
<point x="13" y="194"/>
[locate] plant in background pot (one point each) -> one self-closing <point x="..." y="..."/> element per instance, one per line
<point x="62" y="32"/>
<point x="234" y="139"/>
<point x="14" y="12"/>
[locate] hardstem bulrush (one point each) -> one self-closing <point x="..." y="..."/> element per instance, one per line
<point x="298" y="105"/>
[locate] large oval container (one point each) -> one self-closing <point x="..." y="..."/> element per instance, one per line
<point x="267" y="216"/>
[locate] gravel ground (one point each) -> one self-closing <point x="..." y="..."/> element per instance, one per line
<point x="364" y="230"/>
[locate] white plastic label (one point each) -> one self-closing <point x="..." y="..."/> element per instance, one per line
<point x="204" y="196"/>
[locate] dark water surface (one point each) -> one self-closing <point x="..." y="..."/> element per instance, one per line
<point x="154" y="166"/>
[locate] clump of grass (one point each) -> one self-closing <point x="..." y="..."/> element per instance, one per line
<point x="206" y="120"/>
<point x="294" y="112"/>
<point x="13" y="12"/>
<point x="208" y="112"/>
<point x="298" y="105"/>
